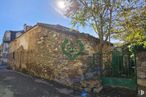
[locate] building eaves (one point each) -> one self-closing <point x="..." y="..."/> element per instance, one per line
<point x="69" y="31"/>
<point x="65" y="30"/>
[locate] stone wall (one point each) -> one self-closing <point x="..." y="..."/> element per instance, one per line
<point x="141" y="68"/>
<point x="39" y="52"/>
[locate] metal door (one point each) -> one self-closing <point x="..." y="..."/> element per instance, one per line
<point x="121" y="72"/>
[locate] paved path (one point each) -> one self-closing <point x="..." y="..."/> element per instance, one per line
<point x="15" y="84"/>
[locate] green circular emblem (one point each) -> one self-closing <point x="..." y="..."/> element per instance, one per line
<point x="72" y="50"/>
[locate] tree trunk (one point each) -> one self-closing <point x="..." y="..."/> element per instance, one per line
<point x="101" y="37"/>
<point x="101" y="57"/>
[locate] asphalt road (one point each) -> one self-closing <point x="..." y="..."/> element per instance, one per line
<point x="16" y="84"/>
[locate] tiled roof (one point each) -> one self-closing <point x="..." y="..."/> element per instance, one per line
<point x="66" y="30"/>
<point x="69" y="31"/>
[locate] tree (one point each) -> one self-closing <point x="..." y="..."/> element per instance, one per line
<point x="132" y="25"/>
<point x="100" y="15"/>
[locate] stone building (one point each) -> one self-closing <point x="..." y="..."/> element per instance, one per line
<point x="141" y="67"/>
<point x="7" y="38"/>
<point x="0" y="54"/>
<point x="57" y="53"/>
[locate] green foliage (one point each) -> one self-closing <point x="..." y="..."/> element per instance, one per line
<point x="105" y="18"/>
<point x="144" y="44"/>
<point x="139" y="46"/>
<point x="131" y="27"/>
<point x="93" y="13"/>
<point x="108" y="18"/>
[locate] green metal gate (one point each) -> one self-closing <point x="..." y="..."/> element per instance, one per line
<point x="121" y="72"/>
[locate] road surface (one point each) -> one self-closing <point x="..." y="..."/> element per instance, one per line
<point x="17" y="84"/>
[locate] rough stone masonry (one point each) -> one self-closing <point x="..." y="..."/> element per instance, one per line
<point x="141" y="68"/>
<point x="40" y="51"/>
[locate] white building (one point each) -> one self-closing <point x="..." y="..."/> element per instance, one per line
<point x="7" y="38"/>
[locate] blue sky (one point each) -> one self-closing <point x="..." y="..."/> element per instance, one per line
<point x="15" y="13"/>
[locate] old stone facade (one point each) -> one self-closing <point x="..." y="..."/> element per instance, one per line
<point x="7" y="38"/>
<point x="141" y="67"/>
<point x="39" y="52"/>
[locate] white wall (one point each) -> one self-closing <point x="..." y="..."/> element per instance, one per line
<point x="7" y="36"/>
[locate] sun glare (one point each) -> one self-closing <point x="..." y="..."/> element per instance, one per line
<point x="61" y="4"/>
